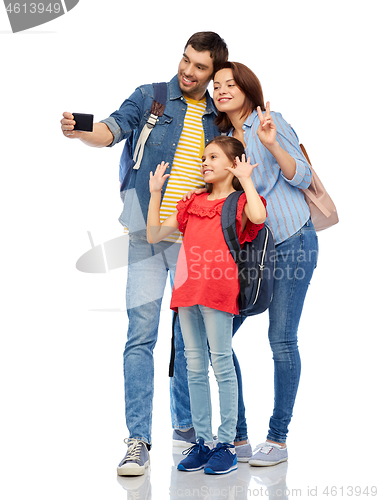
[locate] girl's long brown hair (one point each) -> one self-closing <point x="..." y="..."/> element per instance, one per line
<point x="232" y="148"/>
<point x="249" y="84"/>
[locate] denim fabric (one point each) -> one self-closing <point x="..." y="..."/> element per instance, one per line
<point x="147" y="276"/>
<point x="202" y="326"/>
<point x="296" y="259"/>
<point x="180" y="406"/>
<point x="241" y="428"/>
<point x="162" y="142"/>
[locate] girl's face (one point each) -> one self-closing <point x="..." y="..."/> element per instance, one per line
<point x="226" y="95"/>
<point x="214" y="163"/>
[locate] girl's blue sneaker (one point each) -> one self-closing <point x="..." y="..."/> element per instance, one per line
<point x="197" y="456"/>
<point x="222" y="459"/>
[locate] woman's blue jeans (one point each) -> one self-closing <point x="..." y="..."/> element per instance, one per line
<point x="203" y="327"/>
<point x="296" y="259"/>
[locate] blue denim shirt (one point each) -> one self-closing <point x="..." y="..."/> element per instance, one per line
<point x="160" y="146"/>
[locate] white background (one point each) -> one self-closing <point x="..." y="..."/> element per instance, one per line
<point x="63" y="331"/>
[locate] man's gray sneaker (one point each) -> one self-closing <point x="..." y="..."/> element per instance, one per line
<point x="136" y="459"/>
<point x="266" y="454"/>
<point x="184" y="439"/>
<point x="244" y="452"/>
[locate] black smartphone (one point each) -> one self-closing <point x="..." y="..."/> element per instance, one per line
<point x="84" y="122"/>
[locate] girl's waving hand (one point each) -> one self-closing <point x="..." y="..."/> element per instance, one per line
<point x="242" y="169"/>
<point x="158" y="178"/>
<point x="254" y="210"/>
<point x="157" y="231"/>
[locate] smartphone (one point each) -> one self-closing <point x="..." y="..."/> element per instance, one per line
<point x="84" y="122"/>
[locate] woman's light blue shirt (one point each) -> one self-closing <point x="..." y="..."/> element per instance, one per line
<point x="286" y="207"/>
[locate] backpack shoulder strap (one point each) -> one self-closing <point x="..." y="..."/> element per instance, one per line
<point x="157" y="110"/>
<point x="228" y="222"/>
<point x="160" y="98"/>
<point x="160" y="92"/>
<point x="172" y="357"/>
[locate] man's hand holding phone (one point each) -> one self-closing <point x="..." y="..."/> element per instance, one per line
<point x="73" y="124"/>
<point x="81" y="126"/>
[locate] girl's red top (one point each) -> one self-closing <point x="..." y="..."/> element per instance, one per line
<point x="206" y="273"/>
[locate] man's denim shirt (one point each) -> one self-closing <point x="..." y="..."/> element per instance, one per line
<point x="160" y="146"/>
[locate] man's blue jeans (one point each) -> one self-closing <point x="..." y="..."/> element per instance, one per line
<point x="296" y="259"/>
<point x="205" y="328"/>
<point x="147" y="276"/>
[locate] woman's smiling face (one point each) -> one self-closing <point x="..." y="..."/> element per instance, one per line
<point x="226" y="95"/>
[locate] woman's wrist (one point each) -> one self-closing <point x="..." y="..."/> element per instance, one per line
<point x="285" y="161"/>
<point x="273" y="148"/>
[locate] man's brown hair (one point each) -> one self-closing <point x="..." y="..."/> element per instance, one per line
<point x="208" y="40"/>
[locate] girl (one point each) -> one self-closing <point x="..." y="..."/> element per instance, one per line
<point x="281" y="173"/>
<point x="206" y="288"/>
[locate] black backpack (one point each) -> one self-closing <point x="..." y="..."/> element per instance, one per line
<point x="255" y="261"/>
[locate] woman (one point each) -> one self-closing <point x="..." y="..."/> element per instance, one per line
<point x="281" y="174"/>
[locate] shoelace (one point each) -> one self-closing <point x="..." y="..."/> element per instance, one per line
<point x="134" y="449"/>
<point x="216" y="452"/>
<point x="196" y="448"/>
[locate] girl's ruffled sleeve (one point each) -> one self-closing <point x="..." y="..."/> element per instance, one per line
<point x="182" y="215"/>
<point x="251" y="230"/>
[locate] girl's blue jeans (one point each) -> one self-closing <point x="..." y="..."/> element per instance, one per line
<point x="202" y="327"/>
<point x="296" y="259"/>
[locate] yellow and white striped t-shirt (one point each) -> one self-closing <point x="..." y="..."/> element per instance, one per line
<point x="185" y="172"/>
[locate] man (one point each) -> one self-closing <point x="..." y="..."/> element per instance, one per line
<point x="178" y="138"/>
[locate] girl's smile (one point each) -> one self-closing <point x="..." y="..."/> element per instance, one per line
<point x="207" y="171"/>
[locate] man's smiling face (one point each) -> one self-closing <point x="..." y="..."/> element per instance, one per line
<point x="195" y="72"/>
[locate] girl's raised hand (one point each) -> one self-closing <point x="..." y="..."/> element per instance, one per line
<point x="242" y="169"/>
<point x="158" y="178"/>
<point x="267" y="128"/>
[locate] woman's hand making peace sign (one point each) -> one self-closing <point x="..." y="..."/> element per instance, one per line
<point x="267" y="135"/>
<point x="267" y="128"/>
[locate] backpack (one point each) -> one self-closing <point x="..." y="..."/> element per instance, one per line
<point x="323" y="210"/>
<point x="132" y="160"/>
<point x="255" y="261"/>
